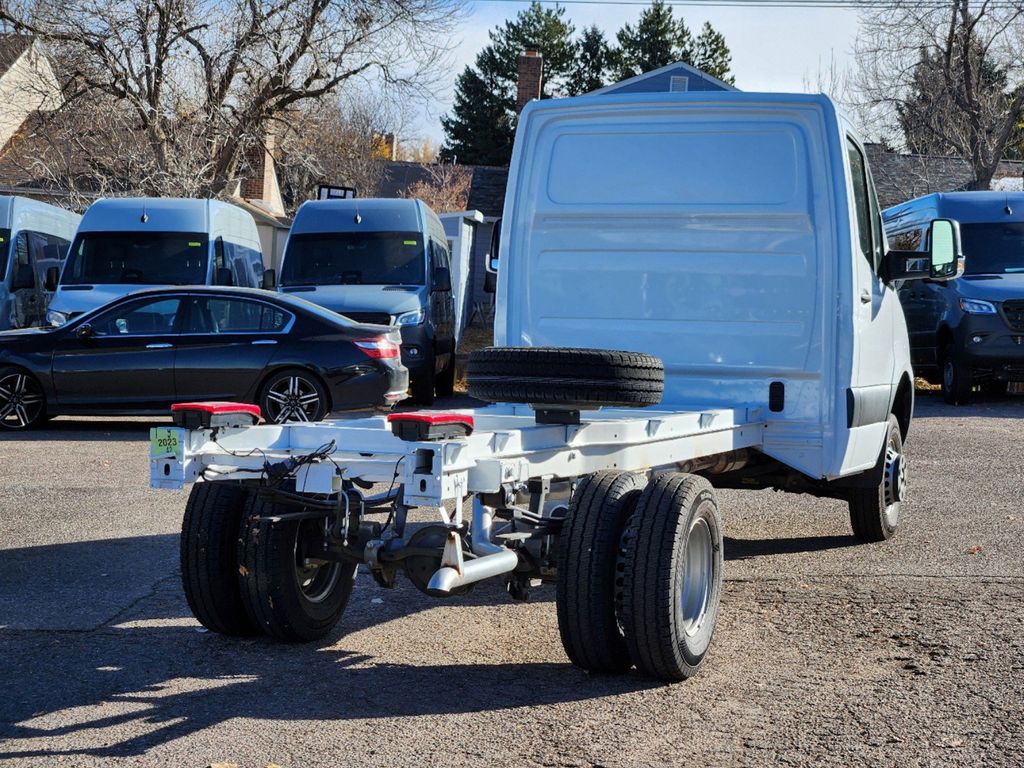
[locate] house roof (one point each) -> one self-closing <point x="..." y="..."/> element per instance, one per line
<point x="679" y="65"/>
<point x="11" y="49"/>
<point x="486" y="189"/>
<point x="901" y="177"/>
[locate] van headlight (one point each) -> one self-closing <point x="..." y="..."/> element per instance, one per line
<point x="410" y="318"/>
<point x="977" y="307"/>
<point x="55" y="318"/>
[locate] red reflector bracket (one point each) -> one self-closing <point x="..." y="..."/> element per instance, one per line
<point x="215" y="414"/>
<point x="419" y="426"/>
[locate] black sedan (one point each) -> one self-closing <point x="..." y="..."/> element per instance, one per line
<point x="141" y="353"/>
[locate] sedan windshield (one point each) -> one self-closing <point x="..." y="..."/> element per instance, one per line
<point x="142" y="258"/>
<point x="354" y="258"/>
<point x="993" y="249"/>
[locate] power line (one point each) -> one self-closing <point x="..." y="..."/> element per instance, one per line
<point x="846" y="5"/>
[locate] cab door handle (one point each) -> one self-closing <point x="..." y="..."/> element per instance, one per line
<point x="865" y="296"/>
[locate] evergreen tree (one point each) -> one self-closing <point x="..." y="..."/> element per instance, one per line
<point x="593" y="62"/>
<point x="482" y="123"/>
<point x="657" y="40"/>
<point x="712" y="55"/>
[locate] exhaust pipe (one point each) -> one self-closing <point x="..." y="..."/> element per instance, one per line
<point x="493" y="560"/>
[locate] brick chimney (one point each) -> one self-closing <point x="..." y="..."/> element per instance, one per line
<point x="531" y="74"/>
<point x="260" y="183"/>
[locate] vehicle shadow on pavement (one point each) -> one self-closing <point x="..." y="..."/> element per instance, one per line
<point x="744" y="549"/>
<point x="90" y="430"/>
<point x="150" y="675"/>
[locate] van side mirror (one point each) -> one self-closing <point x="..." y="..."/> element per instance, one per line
<point x="442" y="280"/>
<point x="224" y="276"/>
<point x="52" y="277"/>
<point x="944" y="249"/>
<point x="493" y="255"/>
<point x="940" y="262"/>
<point x="269" y="280"/>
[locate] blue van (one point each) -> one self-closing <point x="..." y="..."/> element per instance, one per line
<point x="127" y="244"/>
<point x="968" y="333"/>
<point x="385" y="262"/>
<point x="34" y="237"/>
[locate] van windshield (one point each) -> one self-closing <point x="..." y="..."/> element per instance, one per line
<point x="992" y="249"/>
<point x="5" y="246"/>
<point x="143" y="258"/>
<point x="354" y="258"/>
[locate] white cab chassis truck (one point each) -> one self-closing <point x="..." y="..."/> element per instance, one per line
<point x="732" y="242"/>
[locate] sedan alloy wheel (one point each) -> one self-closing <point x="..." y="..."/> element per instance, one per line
<point x="293" y="397"/>
<point x="21" y="401"/>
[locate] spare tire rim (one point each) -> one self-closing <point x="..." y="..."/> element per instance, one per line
<point x="315" y="578"/>
<point x="293" y="398"/>
<point x="21" y="400"/>
<point x="698" y="577"/>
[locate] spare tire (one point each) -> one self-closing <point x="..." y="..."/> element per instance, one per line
<point x="568" y="378"/>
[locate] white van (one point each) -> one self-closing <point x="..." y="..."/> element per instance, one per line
<point x="126" y="244"/>
<point x="732" y="243"/>
<point x="34" y="237"/>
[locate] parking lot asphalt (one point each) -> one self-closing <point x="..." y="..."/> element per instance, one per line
<point x="907" y="653"/>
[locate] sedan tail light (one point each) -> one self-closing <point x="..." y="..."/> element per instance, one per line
<point x="380" y="348"/>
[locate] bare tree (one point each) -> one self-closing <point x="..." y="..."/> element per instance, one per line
<point x="337" y="142"/>
<point x="950" y="73"/>
<point x="193" y="85"/>
<point x="445" y="188"/>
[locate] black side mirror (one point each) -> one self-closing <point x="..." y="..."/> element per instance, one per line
<point x="940" y="262"/>
<point x="52" y="276"/>
<point x="442" y="279"/>
<point x="269" y="280"/>
<point x="491" y="265"/>
<point x="224" y="276"/>
<point x="85" y="332"/>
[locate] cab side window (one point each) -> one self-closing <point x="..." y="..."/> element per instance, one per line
<point x="861" y="202"/>
<point x="912" y="240"/>
<point x="23" y="277"/>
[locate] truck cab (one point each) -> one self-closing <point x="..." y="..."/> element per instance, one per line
<point x="34" y="237"/>
<point x="386" y="262"/>
<point x="967" y="333"/>
<point x="126" y="244"/>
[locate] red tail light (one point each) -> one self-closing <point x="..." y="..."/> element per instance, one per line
<point x="379" y="348"/>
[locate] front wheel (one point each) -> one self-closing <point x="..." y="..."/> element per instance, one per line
<point x="291" y="594"/>
<point x="293" y="395"/>
<point x="22" y="402"/>
<point x="875" y="512"/>
<point x="956" y="378"/>
<point x="673" y="576"/>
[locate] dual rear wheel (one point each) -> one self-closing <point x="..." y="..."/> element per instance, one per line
<point x="244" y="575"/>
<point x="640" y="573"/>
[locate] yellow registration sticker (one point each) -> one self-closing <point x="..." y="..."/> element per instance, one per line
<point x="165" y="442"/>
<point x="410" y="242"/>
<point x="194" y="245"/>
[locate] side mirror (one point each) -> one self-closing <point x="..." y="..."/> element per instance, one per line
<point x="269" y="280"/>
<point x="52" y="277"/>
<point x="442" y="279"/>
<point x="491" y="265"/>
<point x="84" y="332"/>
<point x="224" y="276"/>
<point x="940" y="262"/>
<point x="944" y="249"/>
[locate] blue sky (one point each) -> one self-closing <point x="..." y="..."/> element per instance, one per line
<point x="772" y="48"/>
